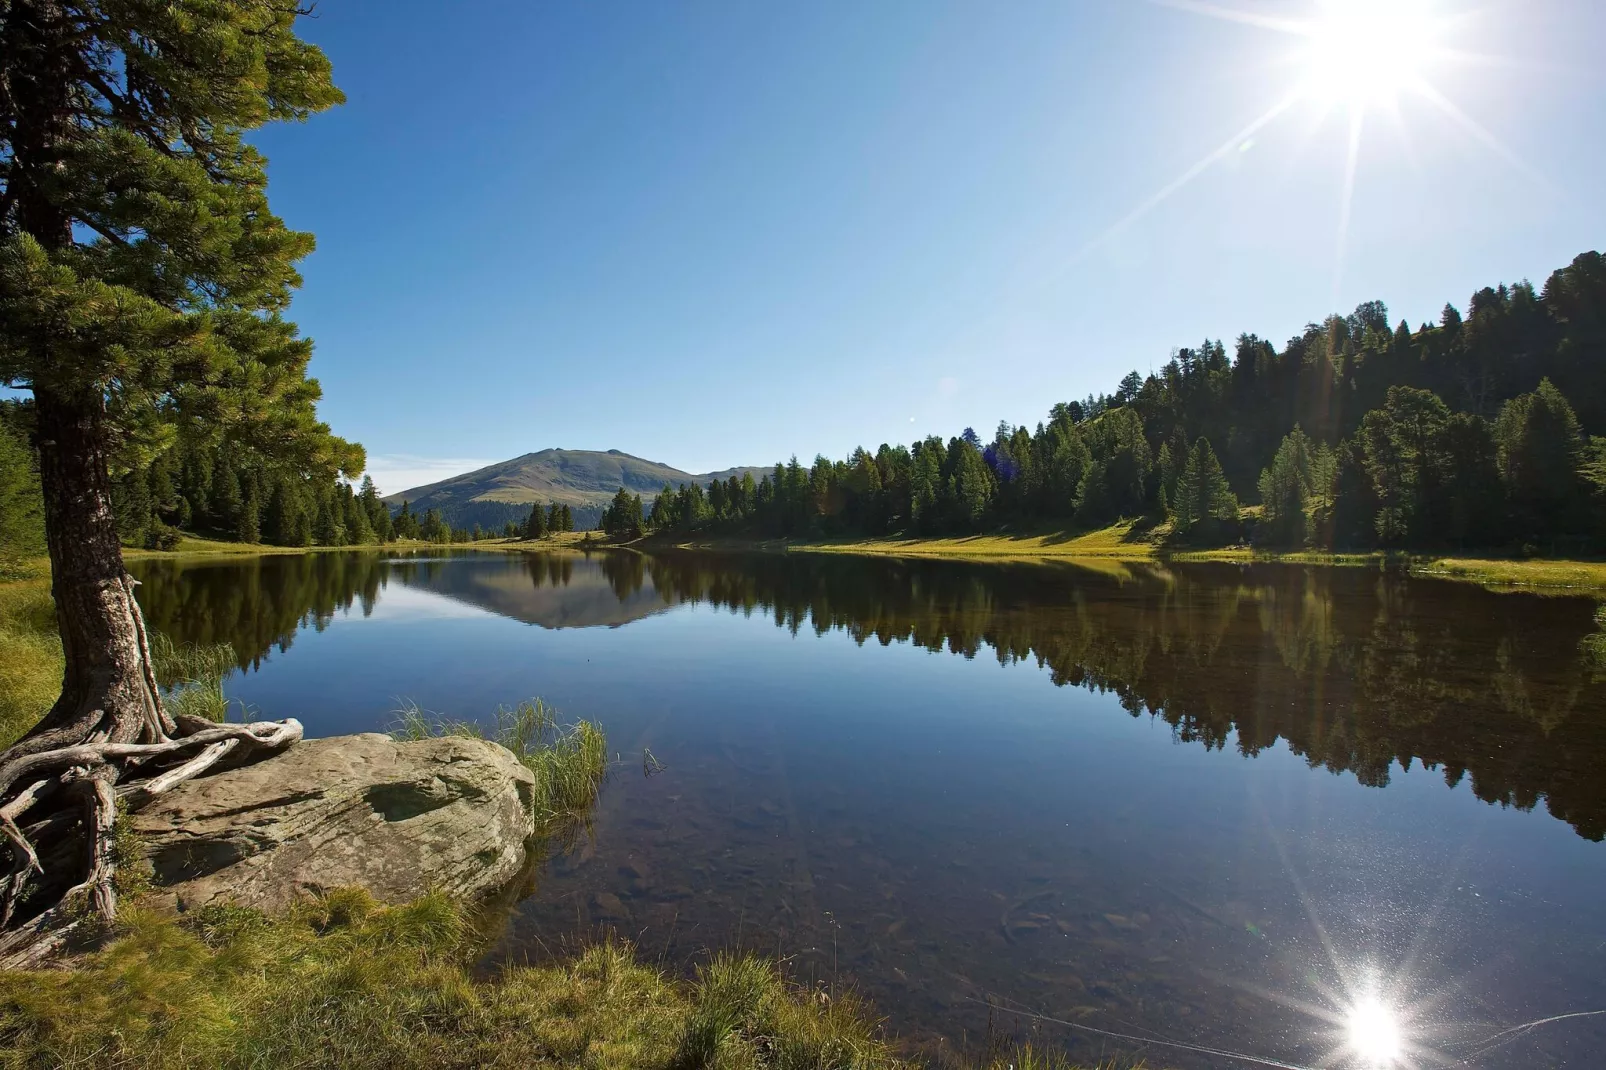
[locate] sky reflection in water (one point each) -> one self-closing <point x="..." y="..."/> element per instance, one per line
<point x="947" y="831"/>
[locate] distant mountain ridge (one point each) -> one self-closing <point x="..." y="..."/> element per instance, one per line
<point x="584" y="480"/>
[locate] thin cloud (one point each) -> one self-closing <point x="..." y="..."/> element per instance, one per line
<point x="396" y="472"/>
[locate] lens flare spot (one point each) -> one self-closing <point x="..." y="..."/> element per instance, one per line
<point x="1373" y="1032"/>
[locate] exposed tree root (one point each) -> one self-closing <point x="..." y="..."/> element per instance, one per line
<point x="70" y="793"/>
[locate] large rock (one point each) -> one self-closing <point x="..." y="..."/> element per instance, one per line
<point x="399" y="819"/>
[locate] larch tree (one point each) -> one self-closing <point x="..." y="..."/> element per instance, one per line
<point x="143" y="285"/>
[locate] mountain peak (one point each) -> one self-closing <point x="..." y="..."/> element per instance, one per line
<point x="584" y="480"/>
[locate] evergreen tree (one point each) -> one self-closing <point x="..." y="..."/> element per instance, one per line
<point x="535" y="527"/>
<point x="278" y="523"/>
<point x="1401" y="443"/>
<point x="378" y="517"/>
<point x="224" y="516"/>
<point x="1285" y="488"/>
<point x="355" y="518"/>
<point x="143" y="280"/>
<point x="432" y="528"/>
<point x="1541" y="452"/>
<point x="1203" y="495"/>
<point x="328" y="526"/>
<point x="131" y="503"/>
<point x="405" y="523"/>
<point x="249" y="527"/>
<point x="623" y="516"/>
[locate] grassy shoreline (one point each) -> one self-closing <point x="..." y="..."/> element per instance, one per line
<point x="1103" y="550"/>
<point x="1128" y="543"/>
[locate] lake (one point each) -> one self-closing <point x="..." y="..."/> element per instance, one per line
<point x="1152" y="809"/>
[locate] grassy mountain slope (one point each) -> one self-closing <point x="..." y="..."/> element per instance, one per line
<point x="582" y="479"/>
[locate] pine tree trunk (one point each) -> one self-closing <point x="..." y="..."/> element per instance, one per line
<point x="107" y="738"/>
<point x="107" y="688"/>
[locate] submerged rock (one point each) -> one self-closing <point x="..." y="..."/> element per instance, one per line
<point x="399" y="819"/>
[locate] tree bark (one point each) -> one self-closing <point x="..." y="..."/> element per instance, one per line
<point x="107" y="690"/>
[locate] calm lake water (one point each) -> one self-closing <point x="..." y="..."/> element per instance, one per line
<point x="1209" y="805"/>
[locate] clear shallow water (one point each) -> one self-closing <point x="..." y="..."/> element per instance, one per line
<point x="1186" y="803"/>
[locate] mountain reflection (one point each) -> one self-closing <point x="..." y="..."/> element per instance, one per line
<point x="1354" y="669"/>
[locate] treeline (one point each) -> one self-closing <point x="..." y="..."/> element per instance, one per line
<point x="1471" y="432"/>
<point x="225" y="493"/>
<point x="545" y="520"/>
<point x="491" y="516"/>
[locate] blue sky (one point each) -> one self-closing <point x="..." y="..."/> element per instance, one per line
<point x="716" y="233"/>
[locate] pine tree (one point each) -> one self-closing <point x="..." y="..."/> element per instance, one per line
<point x="1203" y="495"/>
<point x="143" y="274"/>
<point x="1541" y="451"/>
<point x="328" y="527"/>
<point x="405" y="522"/>
<point x="379" y="522"/>
<point x="432" y="528"/>
<point x="249" y="527"/>
<point x="358" y="530"/>
<point x="131" y="502"/>
<point x="225" y="496"/>
<point x="535" y="527"/>
<point x="1284" y="489"/>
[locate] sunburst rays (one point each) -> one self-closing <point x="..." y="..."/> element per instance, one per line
<point x="1354" y="56"/>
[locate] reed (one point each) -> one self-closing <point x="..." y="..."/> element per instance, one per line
<point x="569" y="761"/>
<point x="191" y="676"/>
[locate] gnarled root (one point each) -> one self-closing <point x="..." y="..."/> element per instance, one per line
<point x="73" y="791"/>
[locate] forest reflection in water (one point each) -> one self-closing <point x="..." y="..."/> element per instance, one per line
<point x="1355" y="669"/>
<point x="1222" y="804"/>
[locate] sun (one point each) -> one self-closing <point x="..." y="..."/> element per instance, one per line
<point x="1372" y="1031"/>
<point x="1366" y="52"/>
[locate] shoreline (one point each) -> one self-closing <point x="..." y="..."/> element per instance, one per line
<point x="1117" y="545"/>
<point x="1123" y="543"/>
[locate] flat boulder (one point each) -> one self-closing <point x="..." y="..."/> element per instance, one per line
<point x="397" y="818"/>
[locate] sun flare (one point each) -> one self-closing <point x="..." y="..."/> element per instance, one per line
<point x="1372" y="1031"/>
<point x="1368" y="51"/>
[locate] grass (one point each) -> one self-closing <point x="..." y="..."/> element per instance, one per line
<point x="1498" y="572"/>
<point x="191" y="676"/>
<point x="30" y="653"/>
<point x="1126" y="541"/>
<point x="1104" y="549"/>
<point x="1130" y="541"/>
<point x="343" y="981"/>
<point x="194" y="546"/>
<point x="569" y="761"/>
